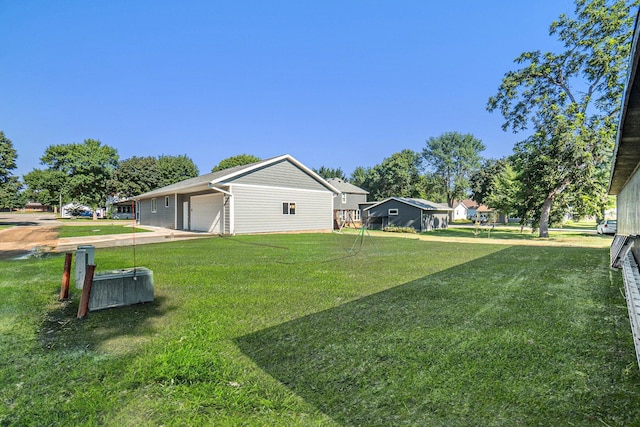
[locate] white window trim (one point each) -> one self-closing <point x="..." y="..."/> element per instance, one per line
<point x="154" y="205"/>
<point x="166" y="201"/>
<point x="295" y="208"/>
<point x="344" y="197"/>
<point x="393" y="212"/>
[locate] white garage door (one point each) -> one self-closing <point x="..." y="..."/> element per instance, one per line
<point x="206" y="213"/>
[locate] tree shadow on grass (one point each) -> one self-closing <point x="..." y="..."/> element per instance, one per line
<point x="484" y="343"/>
<point x="62" y="330"/>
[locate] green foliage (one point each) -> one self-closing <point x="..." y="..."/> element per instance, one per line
<point x="497" y="185"/>
<point x="233" y="161"/>
<point x="326" y="173"/>
<point x="396" y="229"/>
<point x="452" y="158"/>
<point x="571" y="101"/>
<point x="47" y="186"/>
<point x="396" y="176"/>
<point x="174" y="169"/>
<point x="136" y="175"/>
<point x="9" y="184"/>
<point x="88" y="168"/>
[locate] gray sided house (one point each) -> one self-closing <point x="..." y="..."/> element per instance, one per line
<point x="422" y="215"/>
<point x="625" y="185"/>
<point x="346" y="205"/>
<point x="274" y="195"/>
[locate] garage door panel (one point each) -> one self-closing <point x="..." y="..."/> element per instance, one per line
<point x="206" y="213"/>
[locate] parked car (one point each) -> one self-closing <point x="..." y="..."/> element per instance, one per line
<point x="608" y="226"/>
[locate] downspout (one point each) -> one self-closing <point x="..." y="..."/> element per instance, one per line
<point x="231" y="207"/>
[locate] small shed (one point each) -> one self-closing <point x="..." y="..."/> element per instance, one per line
<point x="422" y="215"/>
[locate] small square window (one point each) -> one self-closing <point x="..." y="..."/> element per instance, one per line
<point x="288" y="208"/>
<point x="393" y="212"/>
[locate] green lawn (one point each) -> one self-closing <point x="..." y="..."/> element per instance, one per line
<point x="96" y="230"/>
<point x="513" y="232"/>
<point x="295" y="330"/>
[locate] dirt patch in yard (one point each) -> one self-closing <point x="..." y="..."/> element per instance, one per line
<point x="21" y="240"/>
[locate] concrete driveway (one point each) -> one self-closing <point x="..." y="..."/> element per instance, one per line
<point x="39" y="230"/>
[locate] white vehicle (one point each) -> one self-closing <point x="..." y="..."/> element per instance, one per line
<point x="608" y="226"/>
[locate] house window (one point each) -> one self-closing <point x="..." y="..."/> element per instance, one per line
<point x="166" y="201"/>
<point x="393" y="212"/>
<point x="344" y="197"/>
<point x="154" y="205"/>
<point x="288" y="208"/>
<point x="356" y="215"/>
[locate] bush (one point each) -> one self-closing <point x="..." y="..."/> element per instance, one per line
<point x="395" y="229"/>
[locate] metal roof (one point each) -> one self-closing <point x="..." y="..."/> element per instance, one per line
<point x="218" y="177"/>
<point x="425" y="205"/>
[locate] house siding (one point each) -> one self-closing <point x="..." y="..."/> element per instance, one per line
<point x="278" y="173"/>
<point x="408" y="216"/>
<point x="353" y="201"/>
<point x="163" y="217"/>
<point x="628" y="204"/>
<point x="259" y="210"/>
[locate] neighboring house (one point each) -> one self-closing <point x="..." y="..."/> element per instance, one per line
<point x="624" y="183"/>
<point x="123" y="209"/>
<point x="422" y="215"/>
<point x="274" y="195"/>
<point x="463" y="209"/>
<point x="346" y="205"/>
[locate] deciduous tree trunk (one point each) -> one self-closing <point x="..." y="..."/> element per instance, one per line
<point x="544" y="216"/>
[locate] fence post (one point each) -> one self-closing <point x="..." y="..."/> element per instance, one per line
<point x="66" y="277"/>
<point x="83" y="308"/>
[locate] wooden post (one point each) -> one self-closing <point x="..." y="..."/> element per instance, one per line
<point x="83" y="308"/>
<point x="66" y="277"/>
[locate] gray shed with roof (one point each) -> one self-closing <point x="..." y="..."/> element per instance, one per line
<point x="420" y="214"/>
<point x="274" y="195"/>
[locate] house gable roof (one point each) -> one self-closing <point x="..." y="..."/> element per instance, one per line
<point x="425" y="205"/>
<point x="219" y="177"/>
<point x="626" y="155"/>
<point x="346" y="187"/>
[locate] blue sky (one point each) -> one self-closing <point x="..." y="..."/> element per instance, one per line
<point x="334" y="83"/>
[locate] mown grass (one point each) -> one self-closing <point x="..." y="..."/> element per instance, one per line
<point x="514" y="233"/>
<point x="97" y="230"/>
<point x="296" y="330"/>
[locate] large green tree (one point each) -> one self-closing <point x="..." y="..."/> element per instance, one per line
<point x="46" y="186"/>
<point x="239" y="160"/>
<point x="136" y="175"/>
<point x="9" y="184"/>
<point x="175" y="169"/>
<point x="88" y="168"/>
<point x="453" y="157"/>
<point x="326" y="173"/>
<point x="570" y="103"/>
<point x="397" y="176"/>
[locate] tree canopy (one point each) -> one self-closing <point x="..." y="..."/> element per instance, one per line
<point x="87" y="169"/>
<point x="570" y="100"/>
<point x="136" y="175"/>
<point x="452" y="158"/>
<point x="174" y="169"/>
<point x="326" y="173"/>
<point x="9" y="184"/>
<point x="233" y="161"/>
